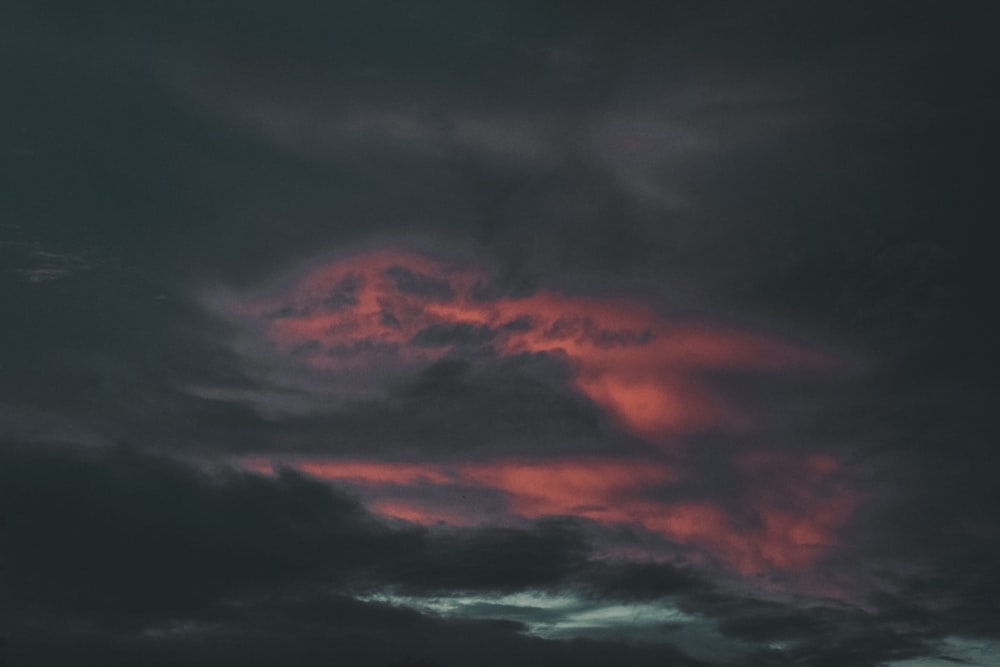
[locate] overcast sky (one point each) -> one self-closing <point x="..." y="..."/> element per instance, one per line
<point x="435" y="334"/>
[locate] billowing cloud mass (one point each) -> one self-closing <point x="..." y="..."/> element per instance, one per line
<point x="371" y="317"/>
<point x="554" y="333"/>
<point x="365" y="321"/>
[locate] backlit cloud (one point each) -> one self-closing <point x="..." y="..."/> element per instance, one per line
<point x="368" y="321"/>
<point x="375" y="315"/>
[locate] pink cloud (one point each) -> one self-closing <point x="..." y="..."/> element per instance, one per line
<point x="394" y="311"/>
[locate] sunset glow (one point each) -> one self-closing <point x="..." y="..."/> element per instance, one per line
<point x="384" y="311"/>
<point x="389" y="311"/>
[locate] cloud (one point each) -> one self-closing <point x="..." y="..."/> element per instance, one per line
<point x="780" y="178"/>
<point x="418" y="327"/>
<point x="121" y="553"/>
<point x="409" y="311"/>
<point x="151" y="555"/>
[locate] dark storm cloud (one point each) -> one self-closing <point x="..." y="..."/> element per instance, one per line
<point x="125" y="534"/>
<point x="497" y="560"/>
<point x="355" y="636"/>
<point x="514" y="406"/>
<point x="824" y="168"/>
<point x="804" y="631"/>
<point x="642" y="581"/>
<point x="158" y="537"/>
<point x="631" y="53"/>
<point x="788" y="632"/>
<point x="119" y="553"/>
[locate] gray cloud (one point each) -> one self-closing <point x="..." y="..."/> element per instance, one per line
<point x="148" y="557"/>
<point x="822" y="171"/>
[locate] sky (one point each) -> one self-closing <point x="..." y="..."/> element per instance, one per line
<point x="433" y="334"/>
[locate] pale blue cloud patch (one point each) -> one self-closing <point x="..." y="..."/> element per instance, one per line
<point x="958" y="651"/>
<point x="564" y="616"/>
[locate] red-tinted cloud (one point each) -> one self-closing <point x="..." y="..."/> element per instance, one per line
<point x="788" y="523"/>
<point x="594" y="489"/>
<point x="423" y="513"/>
<point x="385" y="312"/>
<point x="790" y="511"/>
<point x="371" y="472"/>
<point x="375" y="313"/>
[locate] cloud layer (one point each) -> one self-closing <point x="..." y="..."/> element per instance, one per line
<point x="560" y="333"/>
